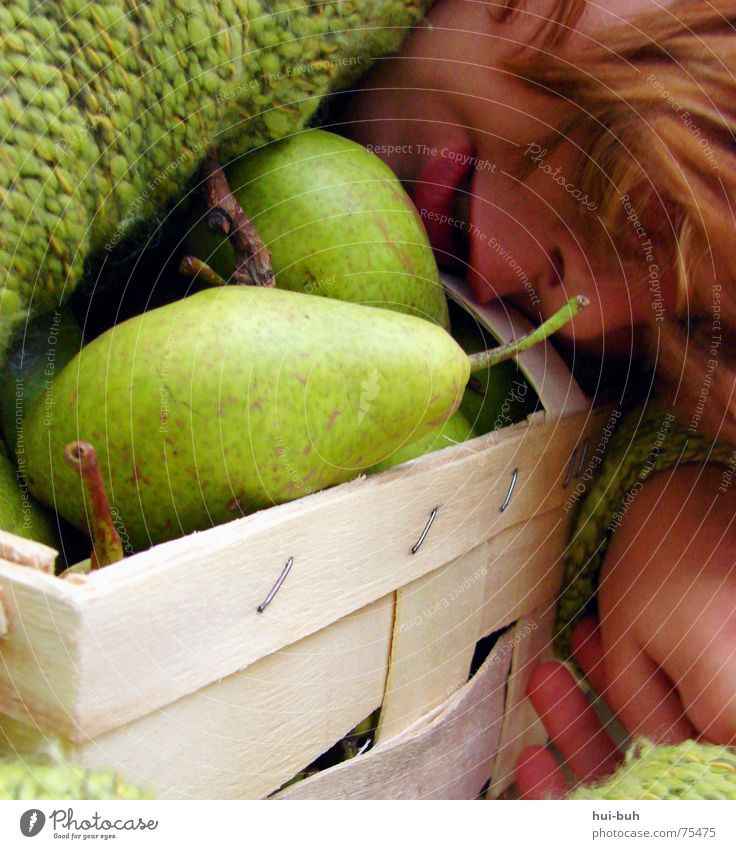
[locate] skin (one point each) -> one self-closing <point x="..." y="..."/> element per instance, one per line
<point x="662" y="655"/>
<point x="448" y="89"/>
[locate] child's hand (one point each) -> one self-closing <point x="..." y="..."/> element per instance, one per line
<point x="667" y="605"/>
<point x="570" y="722"/>
<point x="664" y="657"/>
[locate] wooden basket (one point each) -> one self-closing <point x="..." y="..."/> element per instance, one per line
<point x="161" y="667"/>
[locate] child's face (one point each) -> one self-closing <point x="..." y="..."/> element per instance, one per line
<point x="445" y="111"/>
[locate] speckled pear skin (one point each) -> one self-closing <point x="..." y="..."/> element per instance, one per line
<point x="113" y="103"/>
<point x="40" y="349"/>
<point x="19" y="513"/>
<point x="455" y="430"/>
<point x="338" y="223"/>
<point x="235" y="399"/>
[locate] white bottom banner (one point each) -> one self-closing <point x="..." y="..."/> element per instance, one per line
<point x="451" y="825"/>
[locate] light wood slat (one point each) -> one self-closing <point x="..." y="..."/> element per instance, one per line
<point x="435" y="631"/>
<point x="245" y="736"/>
<point x="449" y="757"/>
<point x="524" y="569"/>
<point x="532" y="639"/>
<point x="39" y="678"/>
<point x="27" y="552"/>
<point x="135" y="625"/>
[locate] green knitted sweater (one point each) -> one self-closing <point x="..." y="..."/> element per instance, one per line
<point x="644" y="442"/>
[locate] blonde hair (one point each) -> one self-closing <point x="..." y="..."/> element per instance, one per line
<point x="654" y="102"/>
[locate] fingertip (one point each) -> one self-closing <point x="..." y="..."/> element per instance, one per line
<point x="570" y="721"/>
<point x="538" y="775"/>
<point x="547" y="681"/>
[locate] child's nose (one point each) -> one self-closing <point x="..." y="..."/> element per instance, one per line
<point x="512" y="265"/>
<point x="507" y="258"/>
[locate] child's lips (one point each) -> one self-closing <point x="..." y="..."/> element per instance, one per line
<point x="435" y="197"/>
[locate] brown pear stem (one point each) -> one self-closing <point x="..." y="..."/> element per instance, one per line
<point x="107" y="547"/>
<point x="225" y="215"/>
<point x="201" y="272"/>
<point x="486" y="359"/>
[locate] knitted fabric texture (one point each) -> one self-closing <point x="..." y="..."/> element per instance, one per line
<point x="688" y="770"/>
<point x="107" y="107"/>
<point x="645" y="442"/>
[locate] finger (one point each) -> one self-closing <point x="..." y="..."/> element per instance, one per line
<point x="538" y="776"/>
<point x="643" y="697"/>
<point x="571" y="722"/>
<point x="587" y="649"/>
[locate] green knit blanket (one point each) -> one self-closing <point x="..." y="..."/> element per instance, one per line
<point x="108" y="106"/>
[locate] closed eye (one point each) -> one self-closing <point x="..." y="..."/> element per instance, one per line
<point x="558" y="267"/>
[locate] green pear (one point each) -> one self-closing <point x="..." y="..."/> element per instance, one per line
<point x="455" y="430"/>
<point x="236" y="398"/>
<point x="40" y="351"/>
<point x="338" y="223"/>
<point x="21" y="514"/>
